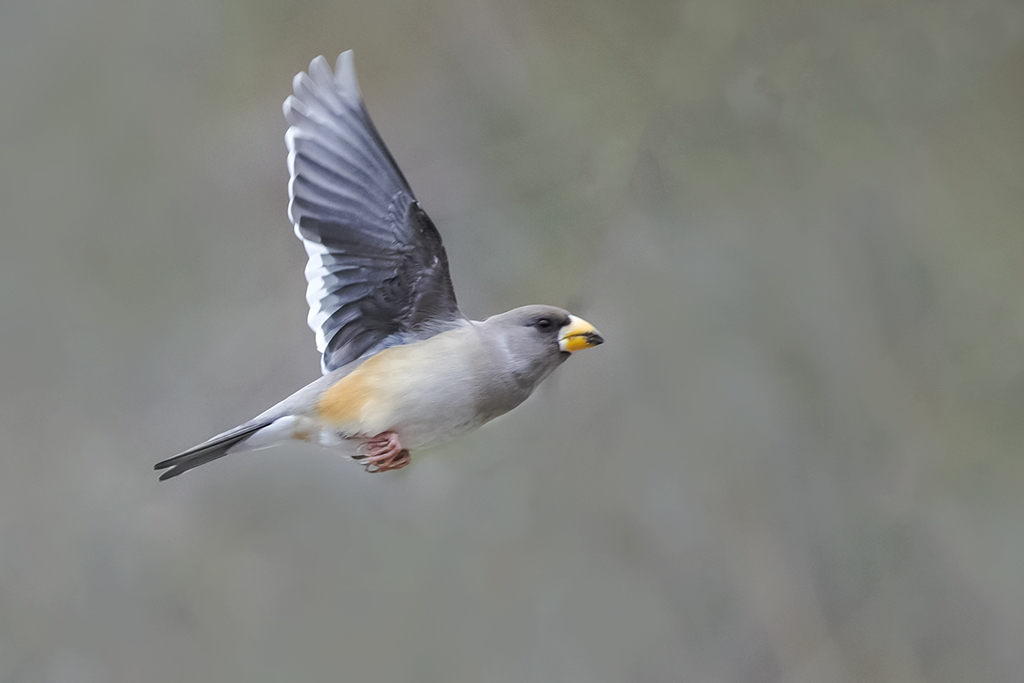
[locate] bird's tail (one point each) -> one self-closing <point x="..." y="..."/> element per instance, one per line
<point x="217" y="447"/>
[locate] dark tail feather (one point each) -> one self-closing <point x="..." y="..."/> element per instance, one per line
<point x="217" y="447"/>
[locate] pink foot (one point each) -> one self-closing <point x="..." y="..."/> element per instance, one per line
<point x="382" y="453"/>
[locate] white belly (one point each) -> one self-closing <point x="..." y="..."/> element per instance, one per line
<point x="427" y="393"/>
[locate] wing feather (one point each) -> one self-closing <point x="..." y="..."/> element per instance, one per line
<point x="377" y="272"/>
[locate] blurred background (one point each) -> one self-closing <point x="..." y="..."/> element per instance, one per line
<point x="798" y="458"/>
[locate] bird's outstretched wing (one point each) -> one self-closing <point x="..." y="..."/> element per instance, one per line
<point x="377" y="271"/>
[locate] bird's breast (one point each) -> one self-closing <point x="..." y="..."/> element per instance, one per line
<point x="426" y="392"/>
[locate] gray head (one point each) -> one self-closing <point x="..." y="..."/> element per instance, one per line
<point x="534" y="340"/>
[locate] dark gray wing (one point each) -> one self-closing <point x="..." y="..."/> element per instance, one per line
<point x="377" y="271"/>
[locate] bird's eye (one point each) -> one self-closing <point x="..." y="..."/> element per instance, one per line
<point x="543" y="324"/>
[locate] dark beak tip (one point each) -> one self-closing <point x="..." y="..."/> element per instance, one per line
<point x="595" y="339"/>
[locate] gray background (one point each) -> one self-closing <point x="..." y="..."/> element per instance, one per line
<point x="798" y="458"/>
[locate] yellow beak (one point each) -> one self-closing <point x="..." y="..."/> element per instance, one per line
<point x="578" y="334"/>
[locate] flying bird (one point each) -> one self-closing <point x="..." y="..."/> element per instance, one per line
<point x="403" y="368"/>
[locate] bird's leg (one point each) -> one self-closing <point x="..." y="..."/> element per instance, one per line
<point x="382" y="453"/>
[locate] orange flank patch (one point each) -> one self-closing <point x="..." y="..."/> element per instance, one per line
<point x="347" y="401"/>
<point x="343" y="403"/>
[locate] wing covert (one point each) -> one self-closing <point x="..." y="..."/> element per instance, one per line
<point x="377" y="271"/>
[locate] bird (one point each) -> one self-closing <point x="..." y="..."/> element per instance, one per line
<point x="402" y="368"/>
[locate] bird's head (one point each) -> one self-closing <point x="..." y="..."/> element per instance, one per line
<point x="546" y="328"/>
<point x="536" y="339"/>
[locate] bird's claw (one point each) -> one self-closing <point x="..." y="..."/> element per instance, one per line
<point x="382" y="453"/>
